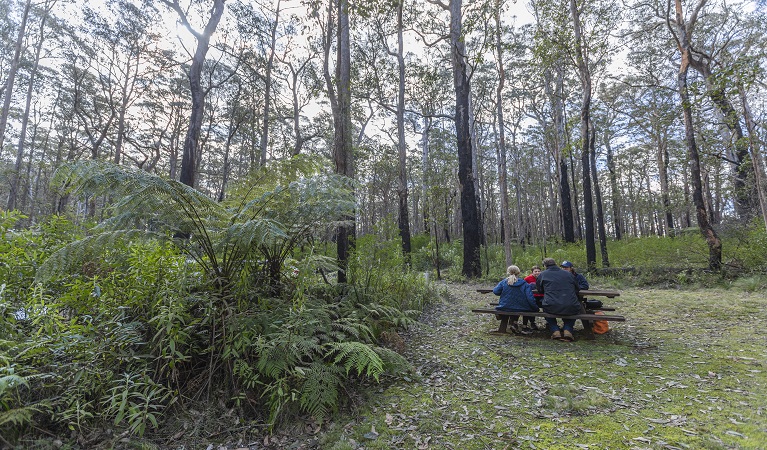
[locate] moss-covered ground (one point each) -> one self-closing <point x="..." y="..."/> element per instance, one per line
<point x="687" y="370"/>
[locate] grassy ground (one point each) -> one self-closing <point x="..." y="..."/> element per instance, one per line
<point x="687" y="370"/>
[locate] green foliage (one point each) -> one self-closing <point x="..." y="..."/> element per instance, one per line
<point x="269" y="220"/>
<point x="138" y="401"/>
<point x="175" y="295"/>
<point x="13" y="415"/>
<point x="301" y="358"/>
<point x="754" y="283"/>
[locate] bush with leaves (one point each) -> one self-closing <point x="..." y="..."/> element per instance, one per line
<point x="175" y="296"/>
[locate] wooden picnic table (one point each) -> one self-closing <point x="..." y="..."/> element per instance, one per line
<point x="587" y="316"/>
<point x="582" y="293"/>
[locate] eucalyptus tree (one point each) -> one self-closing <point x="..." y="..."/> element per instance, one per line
<point x="336" y="34"/>
<point x="755" y="145"/>
<point x="429" y="102"/>
<point x="191" y="141"/>
<point x="402" y="185"/>
<point x="501" y="145"/>
<point x="129" y="59"/>
<point x="10" y="80"/>
<point x="723" y="40"/>
<point x="261" y="26"/>
<point x="591" y="54"/>
<point x="723" y="37"/>
<point x="155" y="147"/>
<point x="551" y="57"/>
<point x="647" y="102"/>
<point x="301" y="76"/>
<point x="90" y="102"/>
<point x="385" y="81"/>
<point x="514" y="99"/>
<point x="466" y="180"/>
<point x="610" y="97"/>
<point x="681" y="28"/>
<point x="43" y="13"/>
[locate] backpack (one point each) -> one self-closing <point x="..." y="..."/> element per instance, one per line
<point x="600" y="326"/>
<point x="593" y="304"/>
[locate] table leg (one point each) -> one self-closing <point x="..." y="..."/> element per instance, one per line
<point x="587" y="331"/>
<point x="503" y="324"/>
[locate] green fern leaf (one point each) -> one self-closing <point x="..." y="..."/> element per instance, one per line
<point x="359" y="357"/>
<point x="319" y="392"/>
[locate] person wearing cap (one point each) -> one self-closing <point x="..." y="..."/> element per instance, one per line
<point x="560" y="297"/>
<point x="580" y="279"/>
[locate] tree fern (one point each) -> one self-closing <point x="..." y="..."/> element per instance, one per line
<point x="272" y="219"/>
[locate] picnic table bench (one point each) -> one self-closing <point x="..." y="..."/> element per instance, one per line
<point x="586" y="316"/>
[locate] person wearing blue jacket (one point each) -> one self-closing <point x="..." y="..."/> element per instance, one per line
<point x="583" y="284"/>
<point x="516" y="295"/>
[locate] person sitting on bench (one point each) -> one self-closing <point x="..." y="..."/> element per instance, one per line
<point x="530" y="279"/>
<point x="579" y="278"/>
<point x="516" y="295"/>
<point x="560" y="297"/>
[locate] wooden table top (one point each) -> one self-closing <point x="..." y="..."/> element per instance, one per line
<point x="582" y="293"/>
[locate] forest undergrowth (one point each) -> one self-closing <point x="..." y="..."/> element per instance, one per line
<point x="685" y="371"/>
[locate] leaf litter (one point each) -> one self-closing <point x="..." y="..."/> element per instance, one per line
<point x="668" y="378"/>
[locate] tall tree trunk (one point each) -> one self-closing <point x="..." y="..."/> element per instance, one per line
<point x="555" y="97"/>
<point x="681" y="30"/>
<point x="342" y="140"/>
<point x="756" y="155"/>
<point x="8" y="91"/>
<point x="16" y="175"/>
<point x="476" y="173"/>
<point x="424" y="167"/>
<point x="402" y="190"/>
<point x="192" y="139"/>
<point x="268" y="85"/>
<point x="598" y="199"/>
<point x="585" y="76"/>
<point x="469" y="214"/>
<point x="614" y="190"/>
<point x="501" y="146"/>
<point x="665" y="190"/>
<point x="578" y="231"/>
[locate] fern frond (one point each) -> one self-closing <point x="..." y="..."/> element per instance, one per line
<point x="314" y="263"/>
<point x="141" y="196"/>
<point x="17" y="417"/>
<point x="352" y="327"/>
<point x="392" y="361"/>
<point x="319" y="392"/>
<point x="11" y="381"/>
<point x="358" y="356"/>
<point x="254" y="232"/>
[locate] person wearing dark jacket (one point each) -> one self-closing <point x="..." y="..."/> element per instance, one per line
<point x="580" y="279"/>
<point x="516" y="295"/>
<point x="560" y="297"/>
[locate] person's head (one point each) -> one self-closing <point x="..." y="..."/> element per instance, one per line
<point x="536" y="271"/>
<point x="548" y="262"/>
<point x="513" y="272"/>
<point x="568" y="266"/>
